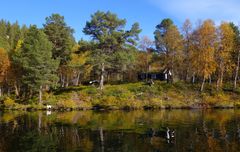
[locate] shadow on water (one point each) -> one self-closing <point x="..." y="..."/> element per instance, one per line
<point x="113" y="131"/>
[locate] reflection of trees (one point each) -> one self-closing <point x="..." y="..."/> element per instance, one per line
<point x="120" y="131"/>
<point x="101" y="138"/>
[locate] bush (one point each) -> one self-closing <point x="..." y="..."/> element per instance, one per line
<point x="46" y="96"/>
<point x="84" y="97"/>
<point x="9" y="103"/>
<point x="110" y="101"/>
<point x="118" y="92"/>
<point x="180" y="85"/>
<point x="36" y="106"/>
<point x="237" y="90"/>
<point x="66" y="104"/>
<point x="155" y="102"/>
<point x="90" y="90"/>
<point x="237" y="105"/>
<point x="133" y="87"/>
<point x="131" y="104"/>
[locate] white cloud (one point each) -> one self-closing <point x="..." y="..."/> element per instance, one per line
<point x="218" y="10"/>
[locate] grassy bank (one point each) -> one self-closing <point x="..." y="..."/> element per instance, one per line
<point x="132" y="96"/>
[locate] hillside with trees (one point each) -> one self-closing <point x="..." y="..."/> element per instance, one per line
<point x="48" y="66"/>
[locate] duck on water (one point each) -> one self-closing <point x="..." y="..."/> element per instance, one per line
<point x="167" y="133"/>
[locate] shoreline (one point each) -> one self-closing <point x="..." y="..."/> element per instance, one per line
<point x="120" y="109"/>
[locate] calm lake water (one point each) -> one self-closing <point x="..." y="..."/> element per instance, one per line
<point x="119" y="131"/>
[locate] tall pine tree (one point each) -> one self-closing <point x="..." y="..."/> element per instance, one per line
<point x="39" y="69"/>
<point x="107" y="30"/>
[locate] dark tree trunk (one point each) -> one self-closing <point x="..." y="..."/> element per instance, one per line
<point x="30" y="93"/>
<point x="187" y="75"/>
<point x="237" y="70"/>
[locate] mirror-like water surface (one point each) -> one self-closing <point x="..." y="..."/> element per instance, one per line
<point x="119" y="131"/>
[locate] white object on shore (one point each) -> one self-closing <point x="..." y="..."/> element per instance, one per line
<point x="49" y="107"/>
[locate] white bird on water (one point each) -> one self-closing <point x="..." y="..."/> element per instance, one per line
<point x="170" y="134"/>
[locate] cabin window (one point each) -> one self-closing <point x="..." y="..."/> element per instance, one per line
<point x="154" y="76"/>
<point x="142" y="76"/>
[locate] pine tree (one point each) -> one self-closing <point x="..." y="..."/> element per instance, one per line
<point x="107" y="30"/>
<point x="39" y="69"/>
<point x="61" y="37"/>
<point x="169" y="42"/>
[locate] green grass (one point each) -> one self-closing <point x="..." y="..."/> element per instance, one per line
<point x="137" y="96"/>
<point x="140" y="96"/>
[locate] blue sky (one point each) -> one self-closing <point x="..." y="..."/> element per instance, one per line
<point x="147" y="12"/>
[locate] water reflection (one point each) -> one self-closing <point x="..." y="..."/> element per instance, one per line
<point x="140" y="131"/>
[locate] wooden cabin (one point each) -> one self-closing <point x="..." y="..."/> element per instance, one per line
<point x="152" y="75"/>
<point x="162" y="76"/>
